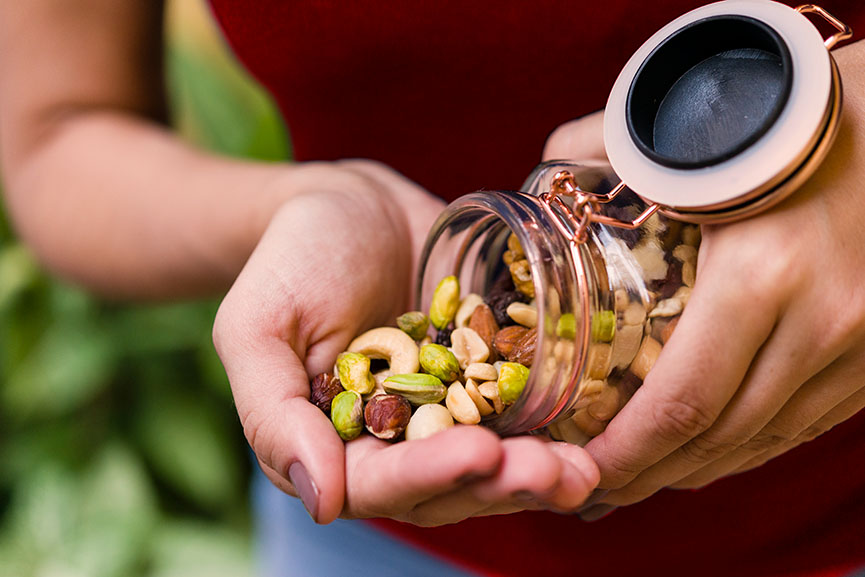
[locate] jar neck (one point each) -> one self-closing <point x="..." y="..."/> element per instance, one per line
<point x="570" y="283"/>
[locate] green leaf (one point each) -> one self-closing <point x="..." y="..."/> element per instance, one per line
<point x="190" y="444"/>
<point x="70" y="364"/>
<point x="194" y="549"/>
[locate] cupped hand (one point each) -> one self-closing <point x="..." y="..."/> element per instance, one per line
<point x="770" y="352"/>
<point x="340" y="257"/>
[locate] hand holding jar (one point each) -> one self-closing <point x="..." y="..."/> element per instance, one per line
<point x="769" y="353"/>
<point x="334" y="262"/>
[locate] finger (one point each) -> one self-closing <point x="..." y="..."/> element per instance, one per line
<point x="770" y="383"/>
<point x="831" y="394"/>
<point x="389" y="480"/>
<point x="581" y="139"/>
<point x="534" y="475"/>
<point x="841" y="413"/>
<point x="696" y="375"/>
<point x="295" y="439"/>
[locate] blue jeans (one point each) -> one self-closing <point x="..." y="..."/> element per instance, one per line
<point x="290" y="544"/>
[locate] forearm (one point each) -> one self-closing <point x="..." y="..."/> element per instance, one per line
<point x="120" y="205"/>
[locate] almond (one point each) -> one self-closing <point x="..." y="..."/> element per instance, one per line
<point x="484" y="324"/>
<point x="507" y="338"/>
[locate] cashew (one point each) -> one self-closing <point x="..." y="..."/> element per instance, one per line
<point x="391" y="344"/>
<point x="467" y="307"/>
<point x="461" y="405"/>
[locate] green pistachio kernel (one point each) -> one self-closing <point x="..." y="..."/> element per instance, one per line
<point x="603" y="326"/>
<point x="512" y="381"/>
<point x="438" y="361"/>
<point x="445" y="302"/>
<point x="566" y="327"/>
<point x="353" y="369"/>
<point x="346" y="413"/>
<point x="414" y="324"/>
<point x="418" y="388"/>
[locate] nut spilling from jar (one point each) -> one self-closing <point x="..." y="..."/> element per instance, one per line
<point x="479" y="357"/>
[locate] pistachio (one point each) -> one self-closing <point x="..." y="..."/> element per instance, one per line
<point x="484" y="408"/>
<point x="466" y="309"/>
<point x="603" y="326"/>
<point x="390" y="344"/>
<point x="323" y="388"/>
<point x="354" y="373"/>
<point x="414" y="324"/>
<point x="418" y="388"/>
<point x="427" y="421"/>
<point x="347" y="415"/>
<point x="523" y="314"/>
<point x="445" y="301"/>
<point x="490" y="390"/>
<point x="438" y="361"/>
<point x="461" y="405"/>
<point x="481" y="372"/>
<point x="387" y="416"/>
<point x="469" y="347"/>
<point x="566" y="327"/>
<point x="512" y="381"/>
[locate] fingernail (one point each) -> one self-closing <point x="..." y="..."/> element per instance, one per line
<point x="523" y="496"/>
<point x="305" y="487"/>
<point x="470" y="478"/>
<point x="596" y="512"/>
<point x="595" y="497"/>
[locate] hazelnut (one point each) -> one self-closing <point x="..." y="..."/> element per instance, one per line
<point x="323" y="388"/>
<point x="387" y="416"/>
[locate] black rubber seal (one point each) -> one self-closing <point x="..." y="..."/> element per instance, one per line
<point x="709" y="91"/>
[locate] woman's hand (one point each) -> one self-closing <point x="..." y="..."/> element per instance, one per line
<point x="770" y="351"/>
<point x="335" y="261"/>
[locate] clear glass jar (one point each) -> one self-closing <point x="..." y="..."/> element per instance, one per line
<point x="604" y="306"/>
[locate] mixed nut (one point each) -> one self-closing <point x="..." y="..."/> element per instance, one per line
<point x="473" y="367"/>
<point x="477" y="360"/>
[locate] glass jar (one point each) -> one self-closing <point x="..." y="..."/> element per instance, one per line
<point x="606" y="299"/>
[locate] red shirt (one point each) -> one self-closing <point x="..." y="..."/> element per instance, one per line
<point x="461" y="96"/>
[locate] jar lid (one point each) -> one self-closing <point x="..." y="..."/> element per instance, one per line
<point x="725" y="110"/>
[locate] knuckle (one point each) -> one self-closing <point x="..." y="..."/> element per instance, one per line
<point x="682" y="417"/>
<point x="618" y="472"/>
<point x="703" y="449"/>
<point x="767" y="439"/>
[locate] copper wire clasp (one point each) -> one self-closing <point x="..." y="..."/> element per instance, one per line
<point x="586" y="207"/>
<point x="844" y="31"/>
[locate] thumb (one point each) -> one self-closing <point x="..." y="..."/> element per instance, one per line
<point x="293" y="439"/>
<point x="580" y="139"/>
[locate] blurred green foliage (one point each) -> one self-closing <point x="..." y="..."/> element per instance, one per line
<point x="120" y="451"/>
